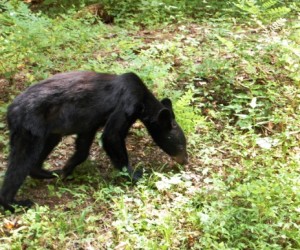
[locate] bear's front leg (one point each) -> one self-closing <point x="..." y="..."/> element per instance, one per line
<point x="113" y="140"/>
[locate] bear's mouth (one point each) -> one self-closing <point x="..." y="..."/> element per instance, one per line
<point x="182" y="159"/>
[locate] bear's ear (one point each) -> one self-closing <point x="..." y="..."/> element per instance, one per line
<point x="167" y="103"/>
<point x="165" y="119"/>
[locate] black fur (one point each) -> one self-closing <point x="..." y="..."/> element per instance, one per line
<point x="79" y="103"/>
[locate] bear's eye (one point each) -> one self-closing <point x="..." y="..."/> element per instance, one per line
<point x="174" y="125"/>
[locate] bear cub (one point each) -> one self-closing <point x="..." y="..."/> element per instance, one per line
<point x="81" y="102"/>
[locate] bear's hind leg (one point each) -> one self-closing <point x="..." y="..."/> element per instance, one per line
<point x="24" y="153"/>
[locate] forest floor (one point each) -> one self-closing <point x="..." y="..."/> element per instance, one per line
<point x="234" y="82"/>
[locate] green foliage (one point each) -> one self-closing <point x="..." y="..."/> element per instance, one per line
<point x="265" y="10"/>
<point x="251" y="215"/>
<point x="186" y="114"/>
<point x="28" y="39"/>
<point x="3" y="139"/>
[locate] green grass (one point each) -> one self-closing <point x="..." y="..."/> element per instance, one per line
<point x="234" y="78"/>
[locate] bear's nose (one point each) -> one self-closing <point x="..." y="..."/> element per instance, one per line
<point x="182" y="159"/>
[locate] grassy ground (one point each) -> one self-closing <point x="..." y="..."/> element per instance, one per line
<point x="234" y="79"/>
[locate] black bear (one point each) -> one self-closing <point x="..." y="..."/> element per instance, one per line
<point x="80" y="102"/>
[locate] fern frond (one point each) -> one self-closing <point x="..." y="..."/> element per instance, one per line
<point x="268" y="4"/>
<point x="278" y="12"/>
<point x="278" y="24"/>
<point x="264" y="10"/>
<point x="248" y="6"/>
